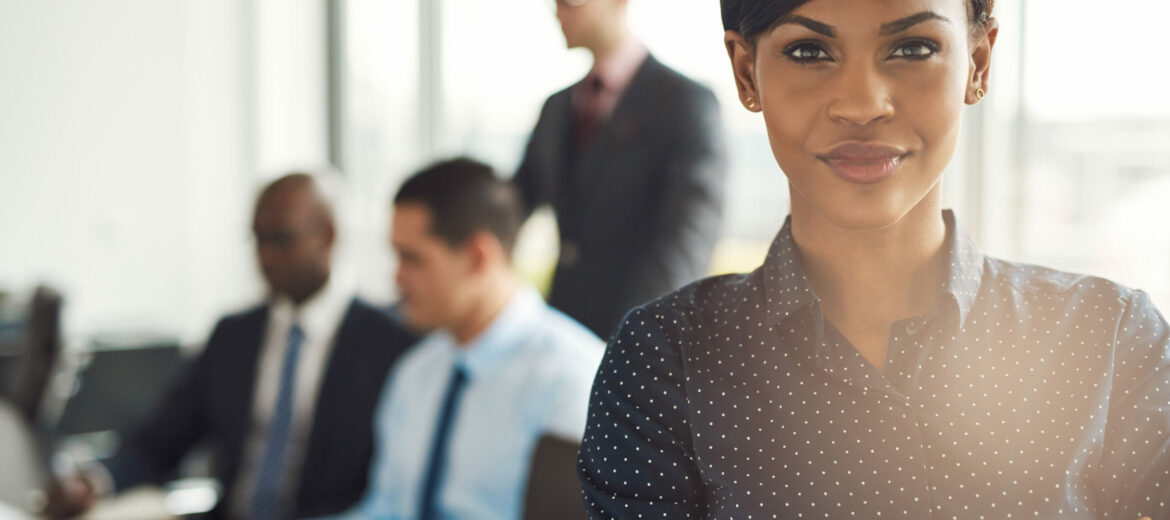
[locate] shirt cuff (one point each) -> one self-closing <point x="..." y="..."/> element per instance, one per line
<point x="99" y="477"/>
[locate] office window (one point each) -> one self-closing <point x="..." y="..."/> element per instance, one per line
<point x="1065" y="164"/>
<point x="495" y="64"/>
<point x="1094" y="138"/>
<point x="378" y="65"/>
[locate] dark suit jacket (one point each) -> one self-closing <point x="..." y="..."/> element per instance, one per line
<point x="213" y="403"/>
<point x="639" y="208"/>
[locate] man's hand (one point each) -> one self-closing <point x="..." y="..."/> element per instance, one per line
<point x="69" y="497"/>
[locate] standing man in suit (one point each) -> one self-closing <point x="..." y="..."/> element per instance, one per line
<point x="283" y="393"/>
<point x="632" y="160"/>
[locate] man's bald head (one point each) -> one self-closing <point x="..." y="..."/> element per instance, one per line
<point x="295" y="231"/>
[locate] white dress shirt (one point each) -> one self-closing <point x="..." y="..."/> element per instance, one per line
<point x="319" y="318"/>
<point x="529" y="374"/>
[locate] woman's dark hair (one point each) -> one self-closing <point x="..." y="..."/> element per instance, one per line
<point x="751" y="18"/>
<point x="465" y="197"/>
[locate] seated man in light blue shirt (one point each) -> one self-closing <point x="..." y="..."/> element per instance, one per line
<point x="461" y="413"/>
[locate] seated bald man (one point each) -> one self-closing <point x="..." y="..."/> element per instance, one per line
<point x="283" y="393"/>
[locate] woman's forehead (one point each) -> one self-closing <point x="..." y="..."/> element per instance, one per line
<point x="876" y="12"/>
<point x="879" y="17"/>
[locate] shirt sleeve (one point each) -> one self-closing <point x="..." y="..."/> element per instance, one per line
<point x="529" y="179"/>
<point x="178" y="422"/>
<point x="636" y="459"/>
<point x="1133" y="477"/>
<point x="566" y="411"/>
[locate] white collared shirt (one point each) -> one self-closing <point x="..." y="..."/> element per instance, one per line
<point x="529" y="374"/>
<point x="320" y="318"/>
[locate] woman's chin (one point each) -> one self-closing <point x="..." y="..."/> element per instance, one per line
<point x="864" y="213"/>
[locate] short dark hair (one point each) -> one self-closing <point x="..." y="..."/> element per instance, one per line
<point x="751" y="18"/>
<point x="465" y="197"/>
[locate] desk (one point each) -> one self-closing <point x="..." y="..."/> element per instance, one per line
<point x="142" y="503"/>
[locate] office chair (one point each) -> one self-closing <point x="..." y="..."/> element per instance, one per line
<point x="42" y="347"/>
<point x="554" y="493"/>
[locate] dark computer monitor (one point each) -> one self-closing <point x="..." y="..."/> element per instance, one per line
<point x="118" y="385"/>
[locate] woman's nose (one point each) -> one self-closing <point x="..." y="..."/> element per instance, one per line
<point x="861" y="95"/>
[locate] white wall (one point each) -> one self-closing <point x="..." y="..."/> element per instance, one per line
<point x="132" y="140"/>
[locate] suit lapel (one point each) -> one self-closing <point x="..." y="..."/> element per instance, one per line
<point x="624" y="126"/>
<point x="251" y="344"/>
<point x="559" y="145"/>
<point x="338" y="364"/>
<point x="235" y="392"/>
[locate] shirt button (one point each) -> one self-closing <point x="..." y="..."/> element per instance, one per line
<point x="912" y="328"/>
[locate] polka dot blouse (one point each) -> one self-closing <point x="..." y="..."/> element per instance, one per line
<point x="1025" y="393"/>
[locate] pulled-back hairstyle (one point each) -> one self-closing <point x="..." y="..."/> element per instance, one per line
<point x="464" y="197"/>
<point x="751" y="18"/>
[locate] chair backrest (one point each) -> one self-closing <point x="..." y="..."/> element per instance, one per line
<point x="554" y="493"/>
<point x="116" y="388"/>
<point x="41" y="349"/>
<point x="23" y="470"/>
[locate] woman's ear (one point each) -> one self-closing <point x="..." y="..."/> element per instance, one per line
<point x="743" y="67"/>
<point x="981" y="46"/>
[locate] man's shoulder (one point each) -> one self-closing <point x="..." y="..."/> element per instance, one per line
<point x="554" y="343"/>
<point x="367" y="316"/>
<point x="246" y="319"/>
<point x="670" y="80"/>
<point x="562" y="351"/>
<point x="560" y="98"/>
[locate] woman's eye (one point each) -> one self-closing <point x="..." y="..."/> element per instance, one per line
<point x="806" y="53"/>
<point x="914" y="50"/>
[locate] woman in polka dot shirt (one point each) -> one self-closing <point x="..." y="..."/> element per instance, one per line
<point x="878" y="364"/>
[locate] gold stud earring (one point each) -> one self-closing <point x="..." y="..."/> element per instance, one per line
<point x="979" y="93"/>
<point x="751" y="103"/>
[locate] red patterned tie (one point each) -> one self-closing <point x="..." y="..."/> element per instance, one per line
<point x="588" y="111"/>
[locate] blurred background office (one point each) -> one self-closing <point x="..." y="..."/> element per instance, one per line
<point x="135" y="133"/>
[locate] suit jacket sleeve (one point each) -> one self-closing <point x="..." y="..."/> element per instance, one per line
<point x="691" y="209"/>
<point x="152" y="453"/>
<point x="530" y="181"/>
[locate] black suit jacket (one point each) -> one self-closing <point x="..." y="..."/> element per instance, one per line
<point x="639" y="209"/>
<point x="213" y="403"/>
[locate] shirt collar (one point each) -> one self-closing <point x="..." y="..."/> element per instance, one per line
<point x="787" y="288"/>
<point x="617" y="70"/>
<point x="321" y="313"/>
<point x="965" y="275"/>
<point x="503" y="336"/>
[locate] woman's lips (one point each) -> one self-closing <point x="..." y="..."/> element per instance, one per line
<point x="863" y="163"/>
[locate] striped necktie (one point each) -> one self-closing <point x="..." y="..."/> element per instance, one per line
<point x="270" y="476"/>
<point x="432" y="484"/>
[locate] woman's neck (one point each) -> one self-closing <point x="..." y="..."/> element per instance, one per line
<point x="868" y="279"/>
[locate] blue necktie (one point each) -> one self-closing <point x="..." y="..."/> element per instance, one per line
<point x="428" y="506"/>
<point x="269" y="477"/>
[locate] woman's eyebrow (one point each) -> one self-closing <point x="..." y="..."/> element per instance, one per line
<point x="902" y="24"/>
<point x="812" y="25"/>
<point x="893" y="27"/>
